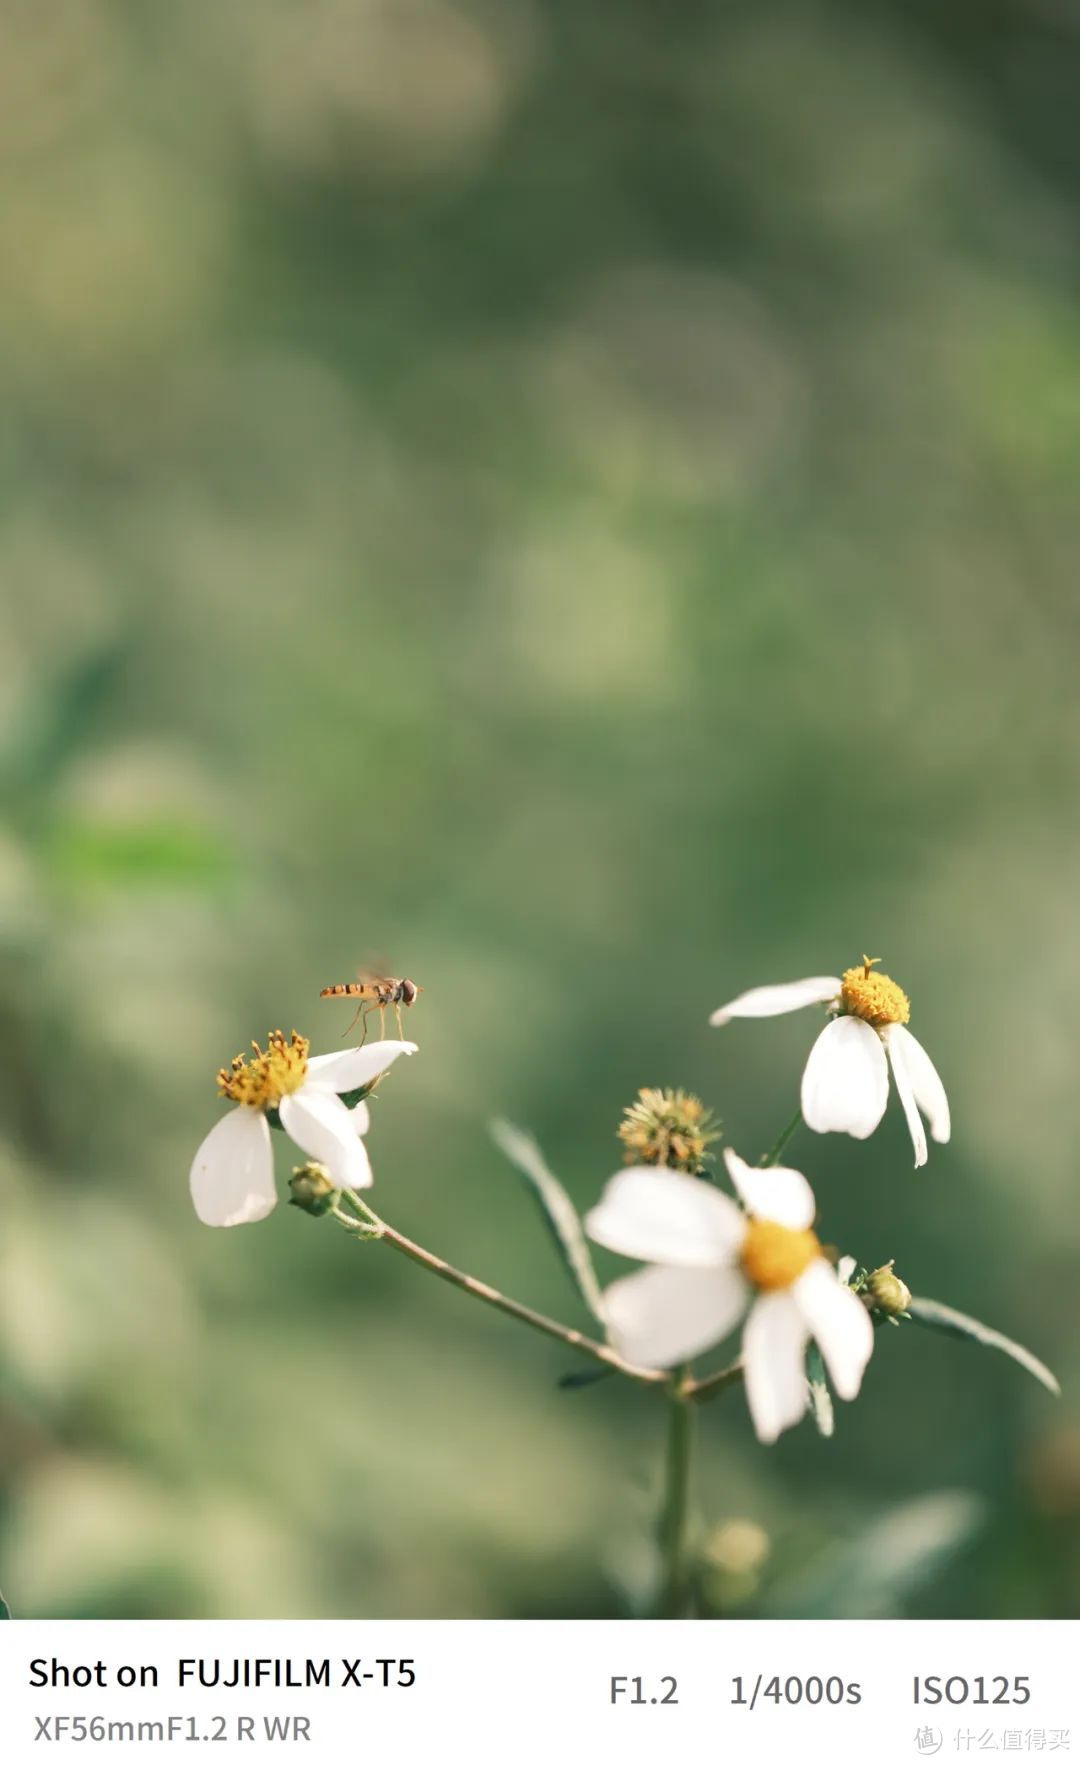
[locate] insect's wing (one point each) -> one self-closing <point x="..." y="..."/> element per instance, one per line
<point x="374" y="970"/>
<point x="370" y="976"/>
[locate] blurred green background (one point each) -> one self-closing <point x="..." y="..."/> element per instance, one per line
<point x="582" y="500"/>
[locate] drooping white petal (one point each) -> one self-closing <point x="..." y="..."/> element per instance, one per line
<point x="668" y="1217"/>
<point x="839" y="1323"/>
<point x="361" y="1117"/>
<point x="906" y="1093"/>
<point x="232" y="1174"/>
<point x="845" y="1083"/>
<point x="322" y="1127"/>
<point x="775" y="1193"/>
<point x="845" y="1268"/>
<point x="661" y="1316"/>
<point x="774" y="1356"/>
<point x="817" y="989"/>
<point x="925" y="1082"/>
<point x="355" y="1066"/>
<point x="365" y="1180"/>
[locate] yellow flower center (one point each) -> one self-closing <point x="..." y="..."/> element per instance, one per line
<point x="874" y="997"/>
<point x="265" y="1079"/>
<point x="773" y="1256"/>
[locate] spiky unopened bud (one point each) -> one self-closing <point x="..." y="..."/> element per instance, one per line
<point x="669" y="1128"/>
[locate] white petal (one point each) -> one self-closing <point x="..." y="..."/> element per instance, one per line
<point x="775" y="1193"/>
<point x="361" y="1117"/>
<point x="363" y="1176"/>
<point x="839" y="1323"/>
<point x="774" y="1363"/>
<point x="322" y="1127"/>
<point x="845" y="1084"/>
<point x="906" y="1093"/>
<point x="665" y="1216"/>
<point x="817" y="989"/>
<point x="845" y="1268"/>
<point x="355" y="1066"/>
<point x="232" y="1174"/>
<point x="927" y="1086"/>
<point x="661" y="1316"/>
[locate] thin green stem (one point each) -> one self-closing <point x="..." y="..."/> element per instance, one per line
<point x="701" y="1390"/>
<point x="368" y="1215"/>
<point x="773" y="1154"/>
<point x="671" y="1531"/>
<point x="572" y="1339"/>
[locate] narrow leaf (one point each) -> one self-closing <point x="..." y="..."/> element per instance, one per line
<point x="559" y="1211"/>
<point x="5" y="1609"/>
<point x="63" y="721"/>
<point x="935" y="1316"/>
<point x="821" y="1404"/>
<point x="577" y="1380"/>
<point x="878" y="1566"/>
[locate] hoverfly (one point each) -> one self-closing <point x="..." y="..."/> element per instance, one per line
<point x="375" y="992"/>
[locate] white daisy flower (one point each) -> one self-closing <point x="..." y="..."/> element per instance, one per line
<point x="845" y="1084"/>
<point x="710" y="1263"/>
<point x="232" y="1174"/>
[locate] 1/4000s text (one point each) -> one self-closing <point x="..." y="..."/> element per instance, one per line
<point x="794" y="1690"/>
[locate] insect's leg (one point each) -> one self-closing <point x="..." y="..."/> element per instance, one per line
<point x="397" y="1014"/>
<point x="353" y="1019"/>
<point x="382" y="1023"/>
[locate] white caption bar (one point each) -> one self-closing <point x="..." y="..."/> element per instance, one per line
<point x="338" y="1693"/>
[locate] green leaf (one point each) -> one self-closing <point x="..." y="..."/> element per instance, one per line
<point x="878" y="1566"/>
<point x="63" y="720"/>
<point x="151" y="854"/>
<point x="821" y="1404"/>
<point x="559" y="1211"/>
<point x="5" y="1609"/>
<point x="349" y="1098"/>
<point x="935" y="1316"/>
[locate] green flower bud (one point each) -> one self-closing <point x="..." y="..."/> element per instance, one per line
<point x="740" y="1547"/>
<point x="734" y="1560"/>
<point x="312" y="1189"/>
<point x="886" y="1292"/>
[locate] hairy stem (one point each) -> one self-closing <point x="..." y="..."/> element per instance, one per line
<point x="573" y="1339"/>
